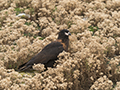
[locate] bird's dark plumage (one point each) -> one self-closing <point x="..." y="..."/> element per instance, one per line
<point x="49" y="53"/>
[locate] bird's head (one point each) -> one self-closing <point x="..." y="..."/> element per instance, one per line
<point x="63" y="34"/>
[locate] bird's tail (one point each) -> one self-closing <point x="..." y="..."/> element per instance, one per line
<point x="24" y="67"/>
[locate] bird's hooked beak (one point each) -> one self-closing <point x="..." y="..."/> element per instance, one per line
<point x="67" y="34"/>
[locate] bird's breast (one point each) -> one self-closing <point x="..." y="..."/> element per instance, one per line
<point x="64" y="45"/>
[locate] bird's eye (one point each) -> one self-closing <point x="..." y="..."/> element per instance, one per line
<point x="67" y="33"/>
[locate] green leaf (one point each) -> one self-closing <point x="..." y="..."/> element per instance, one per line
<point x="28" y="23"/>
<point x="35" y="36"/>
<point x="93" y="29"/>
<point x="42" y="38"/>
<point x="18" y="10"/>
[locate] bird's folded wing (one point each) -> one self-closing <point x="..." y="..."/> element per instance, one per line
<point x="50" y="52"/>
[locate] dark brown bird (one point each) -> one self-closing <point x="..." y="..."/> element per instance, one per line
<point x="49" y="53"/>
